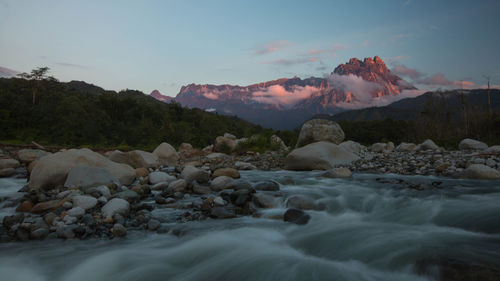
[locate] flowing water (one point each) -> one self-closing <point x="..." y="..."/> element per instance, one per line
<point x="368" y="230"/>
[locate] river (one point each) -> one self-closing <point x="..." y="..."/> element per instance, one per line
<point x="368" y="229"/>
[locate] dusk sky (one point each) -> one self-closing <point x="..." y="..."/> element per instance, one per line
<point x="163" y="45"/>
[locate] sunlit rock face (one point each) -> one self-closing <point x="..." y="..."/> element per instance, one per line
<point x="287" y="102"/>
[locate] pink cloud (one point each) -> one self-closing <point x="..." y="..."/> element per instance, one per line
<point x="211" y="96"/>
<point x="272" y="47"/>
<point x="332" y="50"/>
<point x="402" y="70"/>
<point x="439" y="79"/>
<point x="278" y="95"/>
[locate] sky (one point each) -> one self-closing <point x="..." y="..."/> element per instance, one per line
<point x="165" y="44"/>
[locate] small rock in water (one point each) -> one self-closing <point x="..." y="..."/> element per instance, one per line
<point x="296" y="216"/>
<point x="153" y="224"/>
<point x="300" y="202"/>
<point x="39" y="234"/>
<point x="268" y="185"/>
<point x="119" y="230"/>
<point x="338" y="173"/>
<point x="222" y="213"/>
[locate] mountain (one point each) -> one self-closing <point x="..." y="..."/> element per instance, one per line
<point x="287" y="102"/>
<point x="157" y="95"/>
<point x="447" y="103"/>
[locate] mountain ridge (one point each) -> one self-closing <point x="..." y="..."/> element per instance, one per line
<point x="290" y="101"/>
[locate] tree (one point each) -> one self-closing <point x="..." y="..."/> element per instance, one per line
<point x="35" y="77"/>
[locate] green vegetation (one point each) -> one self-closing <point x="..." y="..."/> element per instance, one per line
<point x="79" y="114"/>
<point x="447" y="134"/>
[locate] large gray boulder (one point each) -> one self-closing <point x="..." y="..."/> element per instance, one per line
<point x="480" y="172"/>
<point x="52" y="170"/>
<point x="316" y="130"/>
<point x="319" y="156"/>
<point x="191" y="173"/>
<point x="166" y="154"/>
<point x="85" y="177"/>
<point x="470" y="144"/>
<point x="30" y="155"/>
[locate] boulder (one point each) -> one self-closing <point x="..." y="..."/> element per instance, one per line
<point x="141" y="172"/>
<point x="191" y="173"/>
<point x="115" y="206"/>
<point x="30" y="155"/>
<point x="495" y="149"/>
<point x="267" y="185"/>
<point x="229" y="172"/>
<point x="353" y="147"/>
<point x="9" y="163"/>
<point x="480" y="172"/>
<point x="166" y="154"/>
<point x="186" y="150"/>
<point x="300" y="202"/>
<point x="52" y="170"/>
<point x="217" y="156"/>
<point x="264" y="200"/>
<point x="76" y="212"/>
<point x="428" y="145"/>
<point x="318" y="156"/>
<point x="470" y="144"/>
<point x="84" y="202"/>
<point x="220" y="183"/>
<point x="316" y="130"/>
<point x="119" y="230"/>
<point x="201" y="189"/>
<point x="46" y="206"/>
<point x="296" y="216"/>
<point x="223" y="144"/>
<point x="7" y="172"/>
<point x="179" y="185"/>
<point x="406" y="147"/>
<point x="381" y="147"/>
<point x="158" y="177"/>
<point x="143" y="159"/>
<point x="278" y="142"/>
<point x="119" y="157"/>
<point x="338" y="173"/>
<point x="85" y="177"/>
<point x="208" y="149"/>
<point x="244" y="166"/>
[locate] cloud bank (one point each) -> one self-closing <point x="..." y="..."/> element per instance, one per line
<point x="278" y="95"/>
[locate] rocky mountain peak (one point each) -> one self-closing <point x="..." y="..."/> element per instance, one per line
<point x="157" y="95"/>
<point x="365" y="68"/>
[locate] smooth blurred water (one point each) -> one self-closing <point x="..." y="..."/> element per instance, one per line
<point x="368" y="230"/>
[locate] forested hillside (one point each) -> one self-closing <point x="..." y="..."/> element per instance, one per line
<point x="77" y="113"/>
